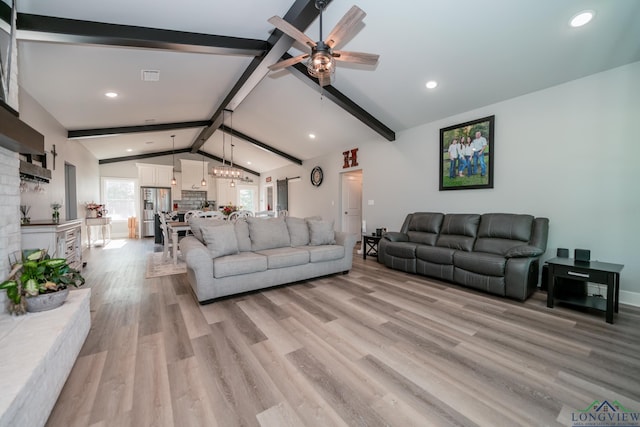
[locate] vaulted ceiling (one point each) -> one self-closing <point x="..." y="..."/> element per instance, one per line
<point x="213" y="55"/>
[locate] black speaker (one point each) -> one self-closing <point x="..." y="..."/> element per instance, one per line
<point x="562" y="253"/>
<point x="582" y="255"/>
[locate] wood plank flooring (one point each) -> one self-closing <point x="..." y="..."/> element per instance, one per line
<point x="375" y="347"/>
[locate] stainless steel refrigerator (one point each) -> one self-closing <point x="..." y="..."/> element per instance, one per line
<point x="154" y="200"/>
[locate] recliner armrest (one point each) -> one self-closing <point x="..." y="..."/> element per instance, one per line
<point x="395" y="236"/>
<point x="524" y="251"/>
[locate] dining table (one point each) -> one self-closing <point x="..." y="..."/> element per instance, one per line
<point x="175" y="227"/>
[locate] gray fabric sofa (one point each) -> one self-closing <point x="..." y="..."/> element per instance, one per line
<point x="495" y="252"/>
<point x="225" y="258"/>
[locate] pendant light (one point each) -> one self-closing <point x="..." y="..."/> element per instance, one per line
<point x="224" y="171"/>
<point x="204" y="181"/>
<point x="173" y="161"/>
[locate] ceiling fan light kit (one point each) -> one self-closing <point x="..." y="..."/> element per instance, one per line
<point x="321" y="61"/>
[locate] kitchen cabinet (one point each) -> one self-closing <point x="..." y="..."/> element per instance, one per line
<point x="61" y="240"/>
<point x="192" y="171"/>
<point x="212" y="189"/>
<point x="154" y="175"/>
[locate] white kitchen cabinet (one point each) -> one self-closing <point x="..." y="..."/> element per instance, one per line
<point x="192" y="172"/>
<point x="62" y="240"/>
<point x="154" y="175"/>
<point x="212" y="189"/>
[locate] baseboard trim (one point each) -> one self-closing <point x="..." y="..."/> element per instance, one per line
<point x="626" y="297"/>
<point x="631" y="298"/>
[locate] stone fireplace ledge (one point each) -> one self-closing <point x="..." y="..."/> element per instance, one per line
<point x="37" y="351"/>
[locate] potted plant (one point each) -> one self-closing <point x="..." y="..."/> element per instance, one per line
<point x="39" y="282"/>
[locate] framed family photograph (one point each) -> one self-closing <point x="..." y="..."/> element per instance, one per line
<point x="466" y="155"/>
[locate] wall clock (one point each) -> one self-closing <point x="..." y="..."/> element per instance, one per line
<point x="316" y="176"/>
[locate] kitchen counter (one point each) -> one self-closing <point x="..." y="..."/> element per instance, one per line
<point x="48" y="222"/>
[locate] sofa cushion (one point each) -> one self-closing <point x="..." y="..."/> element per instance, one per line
<point x="196" y="224"/>
<point x="458" y="231"/>
<point x="498" y="233"/>
<point x="480" y="262"/>
<point x="321" y="233"/>
<point x="285" y="257"/>
<point x="435" y="254"/>
<point x="242" y="263"/>
<point x="242" y="234"/>
<point x="220" y="239"/>
<point x="268" y="233"/>
<point x="424" y="227"/>
<point x="298" y="230"/>
<point x="325" y="252"/>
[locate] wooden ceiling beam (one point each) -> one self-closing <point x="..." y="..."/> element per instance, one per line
<point x="63" y="30"/>
<point x="92" y="133"/>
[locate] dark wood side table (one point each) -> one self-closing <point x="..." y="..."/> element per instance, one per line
<point x="370" y="245"/>
<point x="593" y="271"/>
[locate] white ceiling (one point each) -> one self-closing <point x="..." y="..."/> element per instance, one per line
<point x="480" y="52"/>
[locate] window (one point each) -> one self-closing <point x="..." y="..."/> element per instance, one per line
<point x="248" y="197"/>
<point x="118" y="195"/>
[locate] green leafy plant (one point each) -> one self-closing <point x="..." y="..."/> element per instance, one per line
<point x="37" y="273"/>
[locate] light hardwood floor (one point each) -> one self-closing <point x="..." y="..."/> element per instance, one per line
<point x="372" y="348"/>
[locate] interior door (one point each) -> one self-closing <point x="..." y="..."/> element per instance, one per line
<point x="352" y="202"/>
<point x="70" y="196"/>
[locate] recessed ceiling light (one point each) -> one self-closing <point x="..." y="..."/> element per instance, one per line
<point x="431" y="84"/>
<point x="129" y="150"/>
<point x="248" y="163"/>
<point x="111" y="95"/>
<point x="581" y="18"/>
<point x="312" y="136"/>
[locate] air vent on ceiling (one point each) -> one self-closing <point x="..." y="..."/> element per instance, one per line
<point x="150" y="75"/>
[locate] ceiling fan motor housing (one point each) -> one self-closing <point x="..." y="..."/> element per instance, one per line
<point x="321" y="60"/>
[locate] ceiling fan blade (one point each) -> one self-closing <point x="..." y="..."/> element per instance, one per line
<point x="347" y="24"/>
<point x="356" y="57"/>
<point x="288" y="62"/>
<point x="291" y="31"/>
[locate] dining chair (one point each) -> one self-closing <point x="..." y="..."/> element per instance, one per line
<point x="237" y="215"/>
<point x="168" y="244"/>
<point x="189" y="214"/>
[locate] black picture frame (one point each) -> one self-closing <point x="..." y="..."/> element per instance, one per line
<point x="467" y="171"/>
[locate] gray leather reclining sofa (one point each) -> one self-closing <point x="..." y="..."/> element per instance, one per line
<point x="496" y="252"/>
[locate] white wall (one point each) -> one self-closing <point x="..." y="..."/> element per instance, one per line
<point x="569" y="153"/>
<point x="72" y="152"/>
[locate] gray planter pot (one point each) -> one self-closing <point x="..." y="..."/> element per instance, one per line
<point x="46" y="302"/>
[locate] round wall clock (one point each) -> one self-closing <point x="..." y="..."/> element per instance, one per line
<point x="316" y="176"/>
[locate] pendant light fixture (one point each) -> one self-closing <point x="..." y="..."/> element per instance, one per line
<point x="204" y="181"/>
<point x="173" y="161"/>
<point x="224" y="171"/>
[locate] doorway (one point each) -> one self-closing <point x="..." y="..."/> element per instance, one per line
<point x="70" y="197"/>
<point x="351" y="202"/>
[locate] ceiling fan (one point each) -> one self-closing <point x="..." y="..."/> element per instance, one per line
<point x="321" y="59"/>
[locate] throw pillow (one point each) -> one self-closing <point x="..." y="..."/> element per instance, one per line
<point x="298" y="231"/>
<point x="196" y="224"/>
<point x="242" y="233"/>
<point x="268" y="233"/>
<point x="221" y="240"/>
<point x="321" y="233"/>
